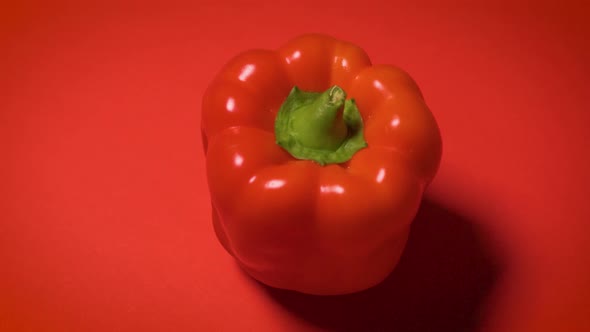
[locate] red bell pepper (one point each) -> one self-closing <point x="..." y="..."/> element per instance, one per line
<point x="317" y="161"/>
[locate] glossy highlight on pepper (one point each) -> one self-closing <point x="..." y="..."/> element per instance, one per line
<point x="311" y="223"/>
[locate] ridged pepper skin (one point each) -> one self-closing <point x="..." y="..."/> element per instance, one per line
<point x="298" y="225"/>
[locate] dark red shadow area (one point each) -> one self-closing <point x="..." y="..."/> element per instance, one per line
<point x="441" y="284"/>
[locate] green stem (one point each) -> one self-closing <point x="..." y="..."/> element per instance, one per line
<point x="323" y="127"/>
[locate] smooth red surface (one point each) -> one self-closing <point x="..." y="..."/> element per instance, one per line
<point x="105" y="212"/>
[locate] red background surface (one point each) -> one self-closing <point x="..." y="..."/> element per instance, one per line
<point x="105" y="216"/>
